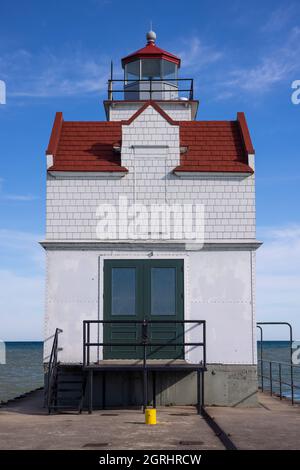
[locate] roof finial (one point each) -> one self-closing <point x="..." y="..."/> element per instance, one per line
<point x="151" y="36"/>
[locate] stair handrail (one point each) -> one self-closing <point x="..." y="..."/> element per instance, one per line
<point x="52" y="366"/>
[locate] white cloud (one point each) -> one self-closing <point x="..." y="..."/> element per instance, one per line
<point x="279" y="64"/>
<point x="272" y="66"/>
<point x="21" y="285"/>
<point x="22" y="250"/>
<point x="21" y="306"/>
<point x="279" y="18"/>
<point x="195" y="55"/>
<point x="278" y="276"/>
<point x="68" y="72"/>
<point x="20" y="197"/>
<point x="15" y="197"/>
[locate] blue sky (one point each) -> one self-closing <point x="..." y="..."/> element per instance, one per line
<point x="55" y="56"/>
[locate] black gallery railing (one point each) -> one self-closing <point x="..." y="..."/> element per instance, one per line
<point x="150" y="87"/>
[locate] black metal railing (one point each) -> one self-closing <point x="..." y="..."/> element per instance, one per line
<point x="52" y="369"/>
<point x="179" y="85"/>
<point x="145" y="344"/>
<point x="273" y="377"/>
<point x="281" y="364"/>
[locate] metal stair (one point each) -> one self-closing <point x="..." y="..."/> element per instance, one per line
<point x="66" y="384"/>
<point x="69" y="388"/>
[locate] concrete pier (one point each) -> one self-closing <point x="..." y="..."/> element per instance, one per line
<point x="273" y="425"/>
<point x="25" y="424"/>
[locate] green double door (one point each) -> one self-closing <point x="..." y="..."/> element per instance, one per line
<point x="138" y="290"/>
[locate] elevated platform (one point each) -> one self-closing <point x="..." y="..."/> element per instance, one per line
<point x="129" y="383"/>
<point x="138" y="365"/>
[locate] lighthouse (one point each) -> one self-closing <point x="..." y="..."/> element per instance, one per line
<point x="150" y="245"/>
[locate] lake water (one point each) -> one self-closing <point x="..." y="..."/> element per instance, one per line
<point x="23" y="370"/>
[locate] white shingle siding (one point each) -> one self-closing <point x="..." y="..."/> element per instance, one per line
<point x="150" y="151"/>
<point x="123" y="111"/>
<point x="178" y="112"/>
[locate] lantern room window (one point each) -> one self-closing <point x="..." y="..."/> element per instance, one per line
<point x="151" y="69"/>
<point x="132" y="70"/>
<point x="169" y="70"/>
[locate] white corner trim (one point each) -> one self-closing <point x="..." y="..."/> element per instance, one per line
<point x="49" y="160"/>
<point x="84" y="174"/>
<point x="191" y="174"/>
<point x="251" y="160"/>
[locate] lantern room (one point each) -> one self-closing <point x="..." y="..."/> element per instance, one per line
<point x="151" y="73"/>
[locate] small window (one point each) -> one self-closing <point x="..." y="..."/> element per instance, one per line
<point x="163" y="291"/>
<point x="123" y="281"/>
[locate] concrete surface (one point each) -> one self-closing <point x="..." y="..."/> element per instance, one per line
<point x="231" y="385"/>
<point x="274" y="425"/>
<point x="26" y="425"/>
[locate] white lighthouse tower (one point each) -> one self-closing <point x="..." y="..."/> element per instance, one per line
<point x="150" y="248"/>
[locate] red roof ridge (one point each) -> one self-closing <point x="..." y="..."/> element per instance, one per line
<point x="241" y="118"/>
<point x="55" y="134"/>
<point x="157" y="108"/>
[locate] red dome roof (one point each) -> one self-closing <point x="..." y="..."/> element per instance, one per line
<point x="151" y="51"/>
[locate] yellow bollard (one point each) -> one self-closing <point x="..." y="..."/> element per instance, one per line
<point x="150" y="416"/>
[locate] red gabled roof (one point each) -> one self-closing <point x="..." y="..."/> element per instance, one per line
<point x="214" y="146"/>
<point x="84" y="146"/>
<point x="211" y="146"/>
<point x="151" y="51"/>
